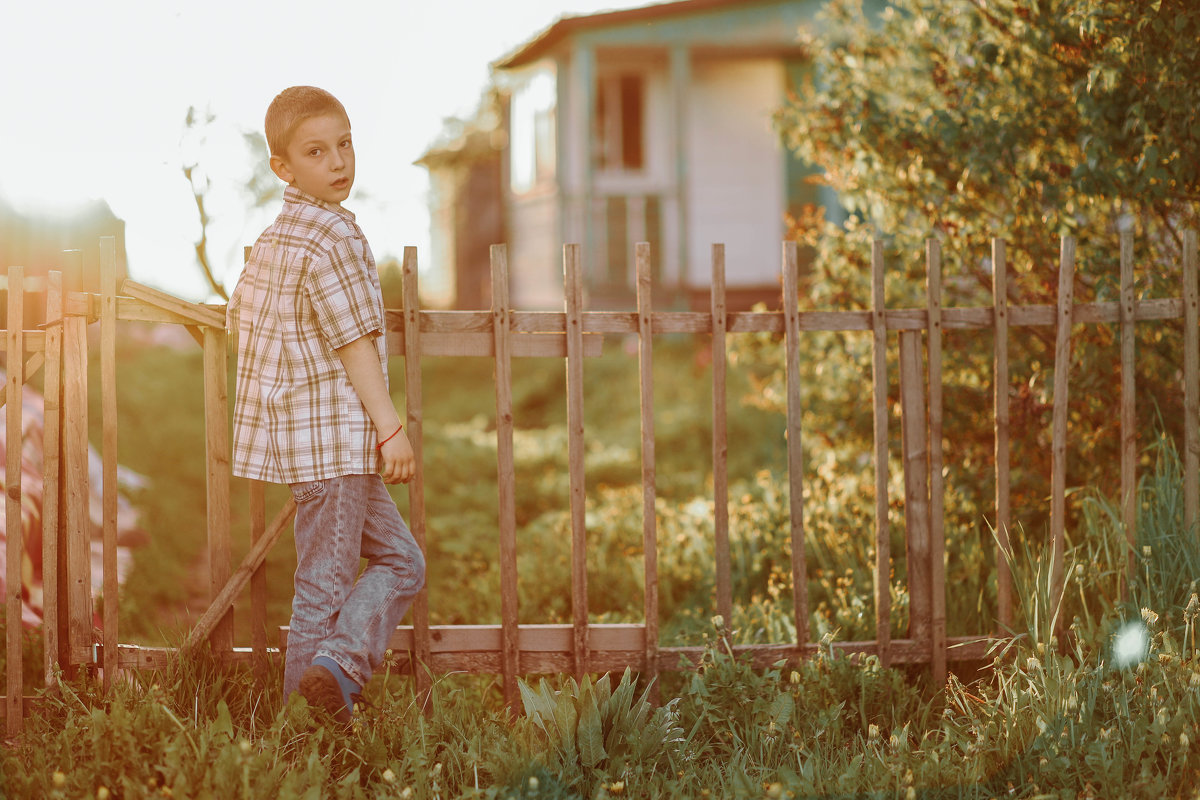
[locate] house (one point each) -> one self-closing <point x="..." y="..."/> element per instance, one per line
<point x="646" y="124"/>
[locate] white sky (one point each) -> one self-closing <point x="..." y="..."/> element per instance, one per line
<point x="93" y="97"/>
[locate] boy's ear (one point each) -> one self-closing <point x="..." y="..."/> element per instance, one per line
<point x="280" y="168"/>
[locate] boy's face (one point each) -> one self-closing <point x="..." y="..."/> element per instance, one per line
<point x="319" y="159"/>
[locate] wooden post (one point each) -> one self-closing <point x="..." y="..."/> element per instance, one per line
<point x="414" y="419"/>
<point x="720" y="445"/>
<point x="53" y="599"/>
<point x="573" y="285"/>
<point x="916" y="487"/>
<point x="75" y="483"/>
<point x="649" y="490"/>
<point x="937" y="483"/>
<point x="108" y="421"/>
<point x="1000" y="401"/>
<point x="1058" y="446"/>
<point x="15" y="344"/>
<point x="791" y="320"/>
<point x="1191" y="383"/>
<point x="217" y="459"/>
<point x="506" y="479"/>
<point x="883" y="543"/>
<point x="1128" y="409"/>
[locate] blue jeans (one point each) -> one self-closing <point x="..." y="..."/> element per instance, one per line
<point x="339" y="521"/>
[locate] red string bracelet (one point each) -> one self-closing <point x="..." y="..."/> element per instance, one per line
<point x="388" y="439"/>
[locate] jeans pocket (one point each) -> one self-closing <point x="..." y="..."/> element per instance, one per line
<point x="306" y="490"/>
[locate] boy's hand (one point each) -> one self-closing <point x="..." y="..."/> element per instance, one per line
<point x="399" y="462"/>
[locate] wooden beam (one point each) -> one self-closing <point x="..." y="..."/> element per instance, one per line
<point x="197" y="313"/>
<point x="649" y="467"/>
<point x="577" y="492"/>
<point x="1058" y="443"/>
<point x="720" y="445"/>
<point x="795" y="413"/>
<point x="879" y="383"/>
<point x="937" y="485"/>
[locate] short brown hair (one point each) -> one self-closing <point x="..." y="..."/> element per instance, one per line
<point x="293" y="106"/>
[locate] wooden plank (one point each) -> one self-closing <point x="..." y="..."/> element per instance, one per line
<point x="34" y="341"/>
<point x="223" y="602"/>
<point x="130" y="309"/>
<point x="75" y="484"/>
<point x="1058" y="444"/>
<point x="52" y="600"/>
<point x="916" y="487"/>
<point x="795" y="452"/>
<point x="1000" y="402"/>
<point x="15" y="545"/>
<point x="483" y="345"/>
<point x="197" y="313"/>
<point x="720" y="444"/>
<point x="506" y="478"/>
<point x="1191" y="384"/>
<point x="937" y="482"/>
<point x="258" y="578"/>
<point x="217" y="471"/>
<point x="576" y="447"/>
<point x="535" y="638"/>
<point x="1128" y="410"/>
<point x="415" y="421"/>
<point x="29" y="283"/>
<point x="649" y="467"/>
<point x="108" y="423"/>
<point x="879" y="383"/>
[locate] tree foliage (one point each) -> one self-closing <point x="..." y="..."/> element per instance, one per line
<point x="966" y="120"/>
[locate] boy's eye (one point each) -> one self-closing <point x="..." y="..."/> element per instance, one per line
<point x="316" y="151"/>
<point x="347" y="144"/>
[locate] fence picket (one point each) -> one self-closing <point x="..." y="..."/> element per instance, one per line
<point x="937" y="482"/>
<point x="75" y="483"/>
<point x="1191" y="383"/>
<point x="879" y="383"/>
<point x="649" y="480"/>
<point x="914" y="433"/>
<point x="1128" y="407"/>
<point x="52" y="621"/>
<point x="108" y="422"/>
<point x="573" y="291"/>
<point x="15" y="344"/>
<point x="720" y="444"/>
<point x="1000" y="400"/>
<point x="795" y="451"/>
<point x="1058" y="445"/>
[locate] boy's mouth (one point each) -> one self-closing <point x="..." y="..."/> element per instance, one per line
<point x="340" y="183"/>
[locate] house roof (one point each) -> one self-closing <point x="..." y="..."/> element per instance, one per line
<point x="570" y="25"/>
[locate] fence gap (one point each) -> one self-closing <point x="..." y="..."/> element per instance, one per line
<point x="883" y="544"/>
<point x="108" y="423"/>
<point x="1058" y="446"/>
<point x="415" y="416"/>
<point x="258" y="578"/>
<point x="795" y="451"/>
<point x="937" y="482"/>
<point x="649" y="479"/>
<point x="720" y="445"/>
<point x="15" y="346"/>
<point x="217" y="459"/>
<point x="1128" y="409"/>
<point x="573" y="290"/>
<point x="506" y="479"/>
<point x="1000" y="395"/>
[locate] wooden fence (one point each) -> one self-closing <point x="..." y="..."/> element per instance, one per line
<point x="511" y="649"/>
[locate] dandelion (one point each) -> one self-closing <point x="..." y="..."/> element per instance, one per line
<point x="1194" y="679"/>
<point x="616" y="787"/>
<point x="388" y="776"/>
<point x="58" y="779"/>
<point x="533" y="783"/>
<point x="775" y="790"/>
<point x="1146" y="551"/>
<point x="102" y="793"/>
<point x="1184" y="741"/>
<point x="910" y="794"/>
<point x="872" y="732"/>
<point x="1149" y="616"/>
<point x="794" y="678"/>
<point x="406" y="793"/>
<point x="244" y="746"/>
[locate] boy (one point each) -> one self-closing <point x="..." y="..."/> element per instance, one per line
<point x="313" y="410"/>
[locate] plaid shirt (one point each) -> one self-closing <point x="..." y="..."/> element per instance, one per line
<point x="309" y="287"/>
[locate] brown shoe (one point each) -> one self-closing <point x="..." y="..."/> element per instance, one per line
<point x="320" y="688"/>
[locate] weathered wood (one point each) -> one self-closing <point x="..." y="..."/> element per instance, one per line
<point x="258" y="578"/>
<point x="1191" y="384"/>
<point x="649" y="469"/>
<point x="217" y="469"/>
<point x="75" y="482"/>
<point x="415" y="421"/>
<point x="916" y="487"/>
<point x="15" y="545"/>
<point x="223" y="602"/>
<point x="1000" y="401"/>
<point x="795" y="452"/>
<point x="1128" y="410"/>
<point x="1058" y="445"/>
<point x="53" y="599"/>
<point x="879" y="383"/>
<point x="108" y="424"/>
<point x="577" y="499"/>
<point x="506" y="478"/>
<point x="521" y="345"/>
<point x="720" y="444"/>
<point x="937" y="482"/>
<point x="197" y="313"/>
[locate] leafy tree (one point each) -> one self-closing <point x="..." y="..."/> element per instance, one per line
<point x="971" y="119"/>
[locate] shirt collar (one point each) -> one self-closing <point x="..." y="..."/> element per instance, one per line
<point x="292" y="194"/>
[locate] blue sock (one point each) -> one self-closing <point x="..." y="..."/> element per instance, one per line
<point x="345" y="682"/>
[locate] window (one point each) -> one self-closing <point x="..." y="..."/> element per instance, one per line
<point x="533" y="133"/>
<point x="620" y="111"/>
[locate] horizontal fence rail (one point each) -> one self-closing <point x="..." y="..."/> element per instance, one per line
<point x="513" y="648"/>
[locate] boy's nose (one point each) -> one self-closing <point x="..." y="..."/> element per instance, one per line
<point x="339" y="160"/>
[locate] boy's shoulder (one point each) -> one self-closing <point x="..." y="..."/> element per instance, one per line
<point x="311" y="225"/>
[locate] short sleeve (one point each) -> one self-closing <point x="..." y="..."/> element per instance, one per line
<point x="344" y="294"/>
